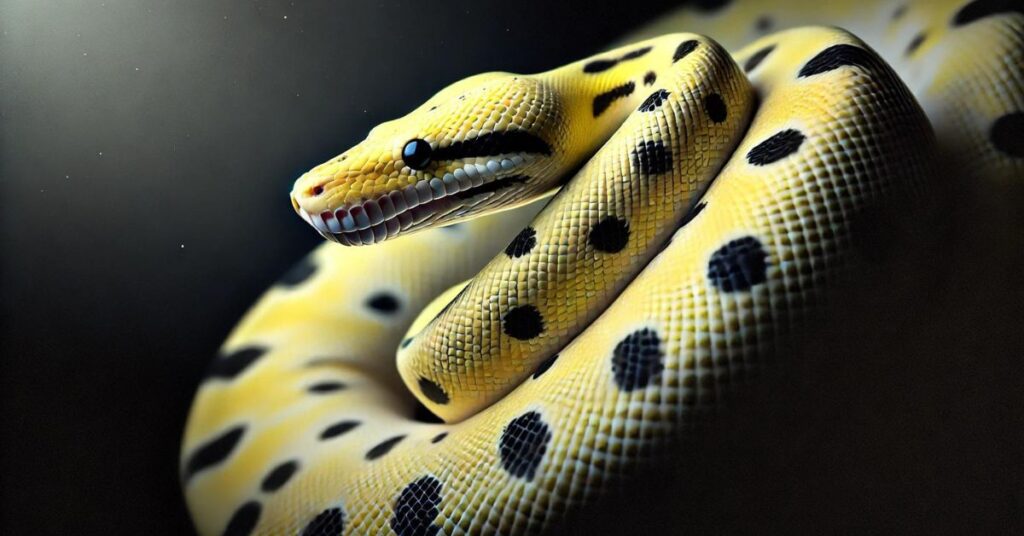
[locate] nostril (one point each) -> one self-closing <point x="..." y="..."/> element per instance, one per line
<point x="316" y="190"/>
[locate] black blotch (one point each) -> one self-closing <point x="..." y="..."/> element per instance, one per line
<point x="244" y="519"/>
<point x="383" y="302"/>
<point x="524" y="322"/>
<point x="610" y="235"/>
<point x="837" y="56"/>
<point x="522" y="243"/>
<point x="898" y="13"/>
<point x="523" y="444"/>
<point x="763" y="23"/>
<point x="775" y="148"/>
<point x="652" y="158"/>
<point x="337" y="429"/>
<point x="738" y="265"/>
<point x="423" y="414"/>
<point x="229" y="366"/>
<point x="493" y="143"/>
<point x="979" y="9"/>
<point x="1007" y="134"/>
<point x="654" y="101"/>
<point x="684" y="49"/>
<point x="715" y="107"/>
<point x="433" y="391"/>
<point x="416" y="508"/>
<point x="330" y="522"/>
<point x="636" y="360"/>
<point x="604" y="100"/>
<point x="439" y="437"/>
<point x="692" y="213"/>
<point x="279" y="476"/>
<point x="406" y="342"/>
<point x="915" y="43"/>
<point x="649" y="78"/>
<point x="298" y="273"/>
<point x="326" y="387"/>
<point x="756" y="59"/>
<point x="544" y="366"/>
<point x="598" y="66"/>
<point x="214" y="451"/>
<point x="634" y="54"/>
<point x="383" y="448"/>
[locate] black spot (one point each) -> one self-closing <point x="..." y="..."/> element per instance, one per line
<point x="298" y="273"/>
<point x="898" y="13"/>
<point x="433" y="391"/>
<point x="652" y="158"/>
<point x="523" y="443"/>
<point x="650" y="78"/>
<point x="213" y="451"/>
<point x="604" y="100"/>
<point x="775" y="148"/>
<point x="598" y="66"/>
<point x="715" y="107"/>
<point x="837" y="56"/>
<point x="383" y="302"/>
<point x="654" y="101"/>
<point x="326" y="387"/>
<point x="522" y="243"/>
<point x="763" y="23"/>
<point x="915" y="43"/>
<point x="337" y="429"/>
<point x="756" y="59"/>
<point x="684" y="49"/>
<point x="330" y="522"/>
<point x="524" y="323"/>
<point x="244" y="519"/>
<point x="609" y="235"/>
<point x="979" y="9"/>
<point x="636" y="360"/>
<point x="439" y="437"/>
<point x="1007" y="134"/>
<point x="692" y="213"/>
<point x="738" y="265"/>
<point x="383" y="448"/>
<point x="544" y="366"/>
<point x="406" y="342"/>
<point x="416" y="508"/>
<point x="279" y="476"/>
<point x="229" y="366"/>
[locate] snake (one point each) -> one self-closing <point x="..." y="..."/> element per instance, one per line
<point x="544" y="280"/>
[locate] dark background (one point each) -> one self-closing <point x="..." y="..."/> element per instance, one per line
<point x="146" y="149"/>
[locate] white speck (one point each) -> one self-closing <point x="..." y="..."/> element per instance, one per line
<point x="85" y="53"/>
<point x="67" y="176"/>
<point x="183" y="246"/>
<point x="136" y="68"/>
<point x="101" y="153"/>
<point x="225" y="17"/>
<point x="286" y="17"/>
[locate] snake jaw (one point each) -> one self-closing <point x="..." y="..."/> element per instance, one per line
<point x="426" y="203"/>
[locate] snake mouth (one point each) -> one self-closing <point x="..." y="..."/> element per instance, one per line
<point x="418" y="205"/>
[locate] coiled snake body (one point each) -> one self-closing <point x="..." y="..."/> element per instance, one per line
<point x="712" y="200"/>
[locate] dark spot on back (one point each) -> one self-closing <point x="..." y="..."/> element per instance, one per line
<point x="636" y="360"/>
<point x="416" y="508"/>
<point x="214" y="451"/>
<point x="604" y="100"/>
<point x="754" y="60"/>
<point x="439" y="437"/>
<point x="654" y="101"/>
<point x="915" y="43"/>
<point x="715" y="107"/>
<point x="433" y="391"/>
<point x="1007" y="134"/>
<point x="763" y="23"/>
<point x="650" y="78"/>
<point x="326" y="387"/>
<point x="837" y="56"/>
<point x="330" y="522"/>
<point x="523" y="444"/>
<point x="337" y="429"/>
<point x="775" y="148"/>
<point x="383" y="447"/>
<point x="244" y="519"/>
<point x="522" y="244"/>
<point x="684" y="49"/>
<point x="279" y="476"/>
<point x="979" y="9"/>
<point x="652" y="158"/>
<point x="609" y="235"/>
<point x="524" y="322"/>
<point x="738" y="265"/>
<point x="383" y="302"/>
<point x="230" y="366"/>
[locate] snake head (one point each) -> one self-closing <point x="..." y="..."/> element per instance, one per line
<point x="487" y="142"/>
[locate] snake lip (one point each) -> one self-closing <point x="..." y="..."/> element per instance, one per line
<point x="417" y="205"/>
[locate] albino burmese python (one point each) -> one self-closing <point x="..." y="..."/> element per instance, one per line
<point x="708" y="201"/>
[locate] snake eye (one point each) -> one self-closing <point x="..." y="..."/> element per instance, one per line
<point x="416" y="154"/>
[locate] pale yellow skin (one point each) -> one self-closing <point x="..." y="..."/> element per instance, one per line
<point x="867" y="148"/>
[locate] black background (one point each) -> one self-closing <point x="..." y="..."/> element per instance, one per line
<point x="147" y="149"/>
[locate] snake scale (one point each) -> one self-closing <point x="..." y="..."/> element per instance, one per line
<point x="705" y="201"/>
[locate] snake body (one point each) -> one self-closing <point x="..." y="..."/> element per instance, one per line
<point x="713" y="200"/>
